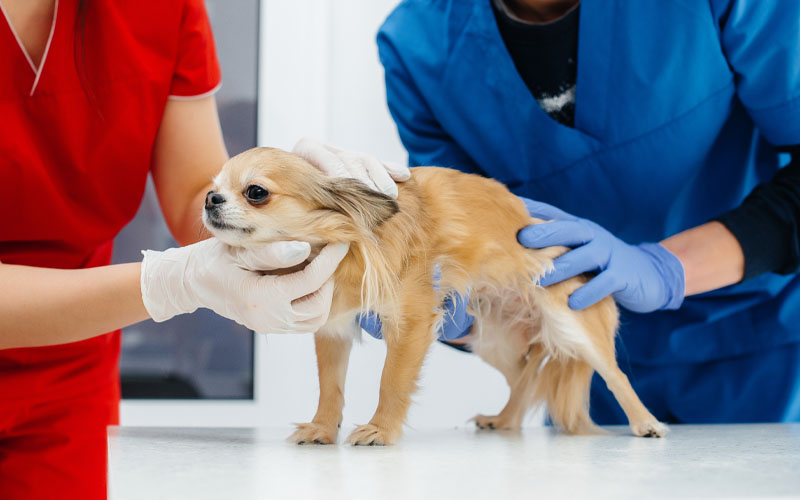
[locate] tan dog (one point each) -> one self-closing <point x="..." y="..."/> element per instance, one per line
<point x="467" y="225"/>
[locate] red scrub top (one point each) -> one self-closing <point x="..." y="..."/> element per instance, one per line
<point x="76" y="140"/>
<point x="73" y="167"/>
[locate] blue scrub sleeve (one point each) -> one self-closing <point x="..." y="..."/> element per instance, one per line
<point x="761" y="41"/>
<point x="422" y="135"/>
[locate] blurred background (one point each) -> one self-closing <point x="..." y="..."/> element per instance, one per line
<point x="200" y="355"/>
<point x="291" y="68"/>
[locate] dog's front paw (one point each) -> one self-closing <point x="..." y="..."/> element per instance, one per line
<point x="313" y="433"/>
<point x="649" y="428"/>
<point x="495" y="422"/>
<point x="370" y="435"/>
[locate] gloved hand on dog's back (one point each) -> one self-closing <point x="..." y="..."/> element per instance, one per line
<point x="334" y="162"/>
<point x="642" y="278"/>
<point x="227" y="280"/>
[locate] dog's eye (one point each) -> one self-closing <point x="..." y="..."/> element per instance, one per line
<point x="256" y="194"/>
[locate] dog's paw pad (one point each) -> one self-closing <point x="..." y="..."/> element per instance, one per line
<point x="652" y="428"/>
<point x="312" y="433"/>
<point x="370" y="435"/>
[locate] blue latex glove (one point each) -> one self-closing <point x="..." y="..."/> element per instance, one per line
<point x="456" y="322"/>
<point x="642" y="278"/>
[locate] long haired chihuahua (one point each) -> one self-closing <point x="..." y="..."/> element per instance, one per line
<point x="465" y="224"/>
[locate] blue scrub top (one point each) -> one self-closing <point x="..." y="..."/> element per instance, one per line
<point x="678" y="105"/>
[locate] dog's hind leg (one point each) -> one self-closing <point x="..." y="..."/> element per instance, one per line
<point x="561" y="383"/>
<point x="564" y="385"/>
<point x="642" y="422"/>
<point x="521" y="377"/>
<point x="502" y="339"/>
<point x="600" y="323"/>
<point x="333" y="351"/>
<point x="587" y="337"/>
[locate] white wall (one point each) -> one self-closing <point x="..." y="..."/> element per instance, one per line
<point x="320" y="76"/>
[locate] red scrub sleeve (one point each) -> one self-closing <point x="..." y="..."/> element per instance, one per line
<point x="197" y="73"/>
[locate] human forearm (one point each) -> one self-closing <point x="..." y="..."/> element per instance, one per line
<point x="711" y="257"/>
<point x="190" y="229"/>
<point x="761" y="235"/>
<point x="189" y="151"/>
<point x="41" y="306"/>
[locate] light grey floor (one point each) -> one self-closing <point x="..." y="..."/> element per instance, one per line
<point x="736" y="461"/>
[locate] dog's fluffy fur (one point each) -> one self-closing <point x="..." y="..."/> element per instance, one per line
<point x="467" y="225"/>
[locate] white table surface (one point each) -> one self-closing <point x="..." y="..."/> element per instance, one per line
<point x="733" y="461"/>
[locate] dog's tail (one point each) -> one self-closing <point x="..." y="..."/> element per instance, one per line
<point x="563" y="384"/>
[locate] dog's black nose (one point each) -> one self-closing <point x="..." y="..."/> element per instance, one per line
<point x="214" y="200"/>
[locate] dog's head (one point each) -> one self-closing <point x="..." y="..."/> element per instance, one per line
<point x="266" y="194"/>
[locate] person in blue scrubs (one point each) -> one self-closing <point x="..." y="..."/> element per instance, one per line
<point x="662" y="131"/>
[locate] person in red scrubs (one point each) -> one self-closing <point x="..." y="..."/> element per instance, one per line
<point x="96" y="94"/>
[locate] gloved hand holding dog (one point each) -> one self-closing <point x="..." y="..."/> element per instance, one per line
<point x="226" y="280"/>
<point x="456" y="321"/>
<point x="213" y="275"/>
<point x="642" y="278"/>
<point x="334" y="162"/>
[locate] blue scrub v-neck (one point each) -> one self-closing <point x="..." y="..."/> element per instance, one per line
<point x="506" y="91"/>
<point x="506" y="80"/>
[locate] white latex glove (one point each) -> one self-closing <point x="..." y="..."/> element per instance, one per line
<point x="335" y="162"/>
<point x="224" y="279"/>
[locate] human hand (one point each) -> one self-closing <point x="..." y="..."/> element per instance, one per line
<point x="643" y="278"/>
<point x="335" y="162"/>
<point x="456" y="321"/>
<point x="226" y="280"/>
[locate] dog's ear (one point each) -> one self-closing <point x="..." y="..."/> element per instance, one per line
<point x="354" y="199"/>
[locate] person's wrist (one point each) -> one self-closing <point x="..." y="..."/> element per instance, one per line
<point x="162" y="283"/>
<point x="459" y="332"/>
<point x="456" y="320"/>
<point x="670" y="268"/>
